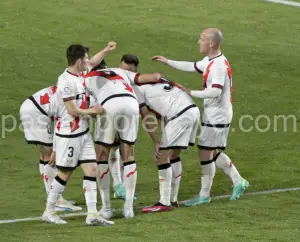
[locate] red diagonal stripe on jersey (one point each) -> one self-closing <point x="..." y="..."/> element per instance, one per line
<point x="58" y="126"/>
<point x="206" y="73"/>
<point x="178" y="176"/>
<point x="74" y="124"/>
<point x="128" y="87"/>
<point x="53" y="89"/>
<point x="104" y="173"/>
<point x="230" y="164"/>
<point x="44" y="99"/>
<point x="229" y="72"/>
<point x="131" y="173"/>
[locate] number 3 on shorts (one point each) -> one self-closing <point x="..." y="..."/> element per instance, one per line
<point x="71" y="151"/>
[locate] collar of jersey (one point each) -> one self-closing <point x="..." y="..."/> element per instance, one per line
<point x="215" y="57"/>
<point x="73" y="74"/>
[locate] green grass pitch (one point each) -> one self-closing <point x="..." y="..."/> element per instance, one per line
<point x="261" y="41"/>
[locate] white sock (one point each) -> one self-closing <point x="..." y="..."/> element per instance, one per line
<point x="41" y="167"/>
<point x="165" y="180"/>
<point x="176" y="178"/>
<point x="103" y="181"/>
<point x="130" y="175"/>
<point x="56" y="189"/>
<point x="90" y="193"/>
<point x="224" y="163"/>
<point x="208" y="173"/>
<point x="50" y="173"/>
<point x="114" y="166"/>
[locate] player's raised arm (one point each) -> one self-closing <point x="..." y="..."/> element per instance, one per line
<point x="96" y="59"/>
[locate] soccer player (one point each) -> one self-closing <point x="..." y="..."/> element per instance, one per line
<point x="36" y="114"/>
<point x="73" y="143"/>
<point x="114" y="92"/>
<point x="217" y="116"/>
<point x="181" y="117"/>
<point x="115" y="165"/>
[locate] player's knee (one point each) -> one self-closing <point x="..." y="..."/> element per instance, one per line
<point x="45" y="152"/>
<point x="64" y="174"/>
<point x="206" y="154"/>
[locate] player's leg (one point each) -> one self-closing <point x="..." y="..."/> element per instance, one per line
<point x="207" y="143"/>
<point x="103" y="180"/>
<point x="47" y="172"/>
<point x="225" y="164"/>
<point x="192" y="118"/>
<point x="114" y="163"/>
<point x="208" y="171"/>
<point x="176" y="166"/>
<point x="104" y="140"/>
<point x="87" y="161"/>
<point x="165" y="181"/>
<point x="66" y="155"/>
<point x="127" y="127"/>
<point x="114" y="166"/>
<point x="130" y="177"/>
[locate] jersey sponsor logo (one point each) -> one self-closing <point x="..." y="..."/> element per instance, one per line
<point x="45" y="99"/>
<point x="67" y="90"/>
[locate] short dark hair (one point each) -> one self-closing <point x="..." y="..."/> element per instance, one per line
<point x="130" y="59"/>
<point x="100" y="66"/>
<point x="75" y="52"/>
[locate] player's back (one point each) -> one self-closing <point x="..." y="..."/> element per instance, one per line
<point x="46" y="99"/>
<point x="164" y="98"/>
<point x="71" y="87"/>
<point x="109" y="83"/>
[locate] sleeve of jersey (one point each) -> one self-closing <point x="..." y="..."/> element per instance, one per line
<point x="133" y="77"/>
<point x="218" y="77"/>
<point x="182" y="65"/>
<point x="207" y="93"/>
<point x="67" y="90"/>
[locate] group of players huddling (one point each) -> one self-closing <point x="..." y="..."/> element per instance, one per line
<point x="116" y="98"/>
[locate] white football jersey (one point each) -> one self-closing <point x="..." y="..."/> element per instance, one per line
<point x="217" y="74"/>
<point x="71" y="86"/>
<point x="163" y="98"/>
<point x="45" y="100"/>
<point x="108" y="83"/>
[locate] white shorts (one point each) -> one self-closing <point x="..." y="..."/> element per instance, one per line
<point x="37" y="126"/>
<point x="72" y="152"/>
<point x="181" y="132"/>
<point x="121" y="122"/>
<point x="213" y="136"/>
